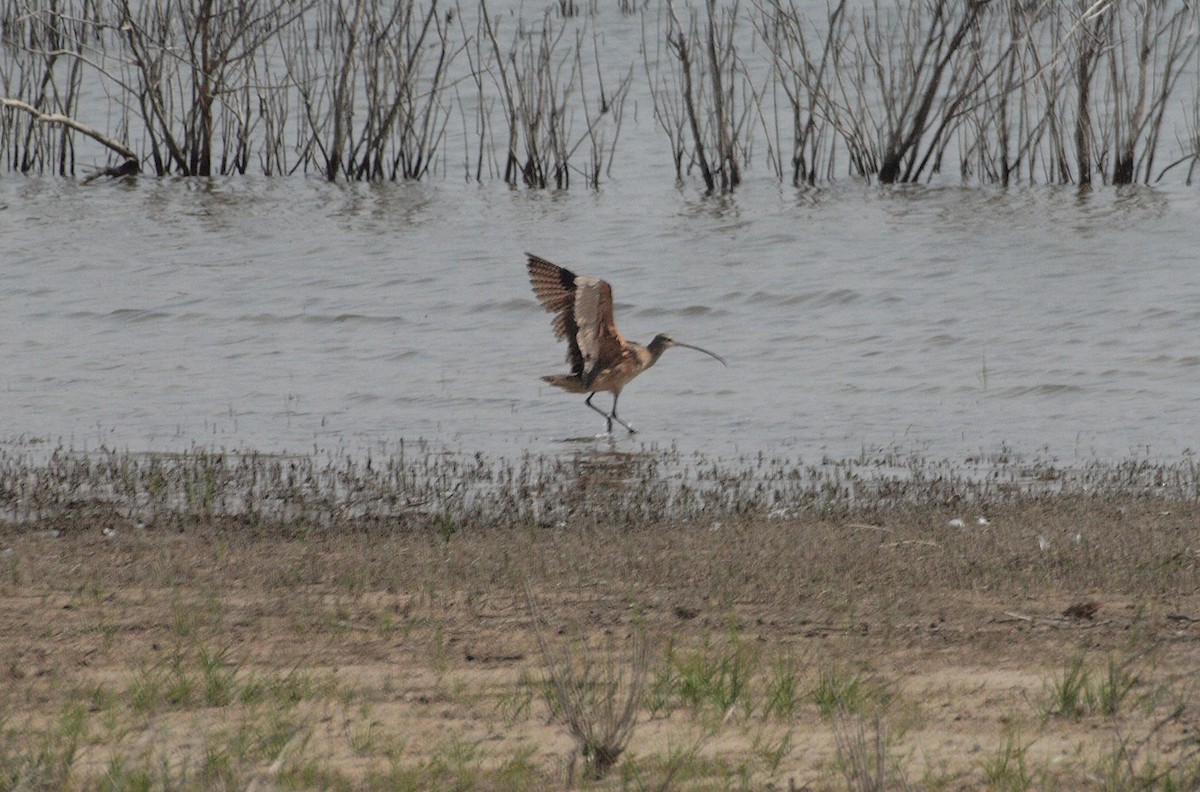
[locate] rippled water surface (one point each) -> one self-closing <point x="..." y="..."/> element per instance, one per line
<point x="287" y="314"/>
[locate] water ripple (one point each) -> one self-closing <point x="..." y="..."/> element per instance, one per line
<point x="947" y="319"/>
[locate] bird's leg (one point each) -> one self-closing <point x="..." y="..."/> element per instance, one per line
<point x="607" y="417"/>
<point x="613" y="417"/>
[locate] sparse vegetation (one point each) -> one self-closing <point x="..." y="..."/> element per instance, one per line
<point x="863" y="758"/>
<point x="1069" y="691"/>
<point x="299" y="623"/>
<point x="848" y="692"/>
<point x="1007" y="770"/>
<point x="1078" y="690"/>
<point x="416" y="489"/>
<point x="716" y="679"/>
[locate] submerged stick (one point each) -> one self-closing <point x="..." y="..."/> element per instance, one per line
<point x="126" y="168"/>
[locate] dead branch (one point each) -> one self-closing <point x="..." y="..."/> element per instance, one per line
<point x="59" y="118"/>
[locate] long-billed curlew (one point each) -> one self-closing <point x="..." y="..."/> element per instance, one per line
<point x="601" y="358"/>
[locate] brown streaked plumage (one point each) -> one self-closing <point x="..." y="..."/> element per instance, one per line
<point x="601" y="358"/>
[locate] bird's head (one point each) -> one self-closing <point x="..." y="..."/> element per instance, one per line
<point x="662" y="342"/>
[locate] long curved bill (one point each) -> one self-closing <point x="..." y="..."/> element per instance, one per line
<point x="705" y="351"/>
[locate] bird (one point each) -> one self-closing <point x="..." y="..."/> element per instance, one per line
<point x="601" y="358"/>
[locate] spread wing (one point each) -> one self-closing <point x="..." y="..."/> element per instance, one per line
<point x="583" y="309"/>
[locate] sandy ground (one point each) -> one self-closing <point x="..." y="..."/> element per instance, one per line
<point x="227" y="658"/>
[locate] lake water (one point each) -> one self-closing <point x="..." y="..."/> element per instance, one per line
<point x="289" y="314"/>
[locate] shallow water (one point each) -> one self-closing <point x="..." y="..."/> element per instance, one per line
<point x="291" y="314"/>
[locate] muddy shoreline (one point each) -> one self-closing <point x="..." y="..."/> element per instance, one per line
<point x="1051" y="645"/>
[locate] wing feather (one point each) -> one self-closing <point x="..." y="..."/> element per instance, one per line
<point x="600" y="343"/>
<point x="554" y="286"/>
<point x="583" y="315"/>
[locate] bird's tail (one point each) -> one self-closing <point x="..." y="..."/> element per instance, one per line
<point x="568" y="382"/>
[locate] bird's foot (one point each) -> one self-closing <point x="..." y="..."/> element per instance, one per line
<point x="628" y="428"/>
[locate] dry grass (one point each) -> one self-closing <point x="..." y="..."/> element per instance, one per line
<point x="597" y="696"/>
<point x="304" y="634"/>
